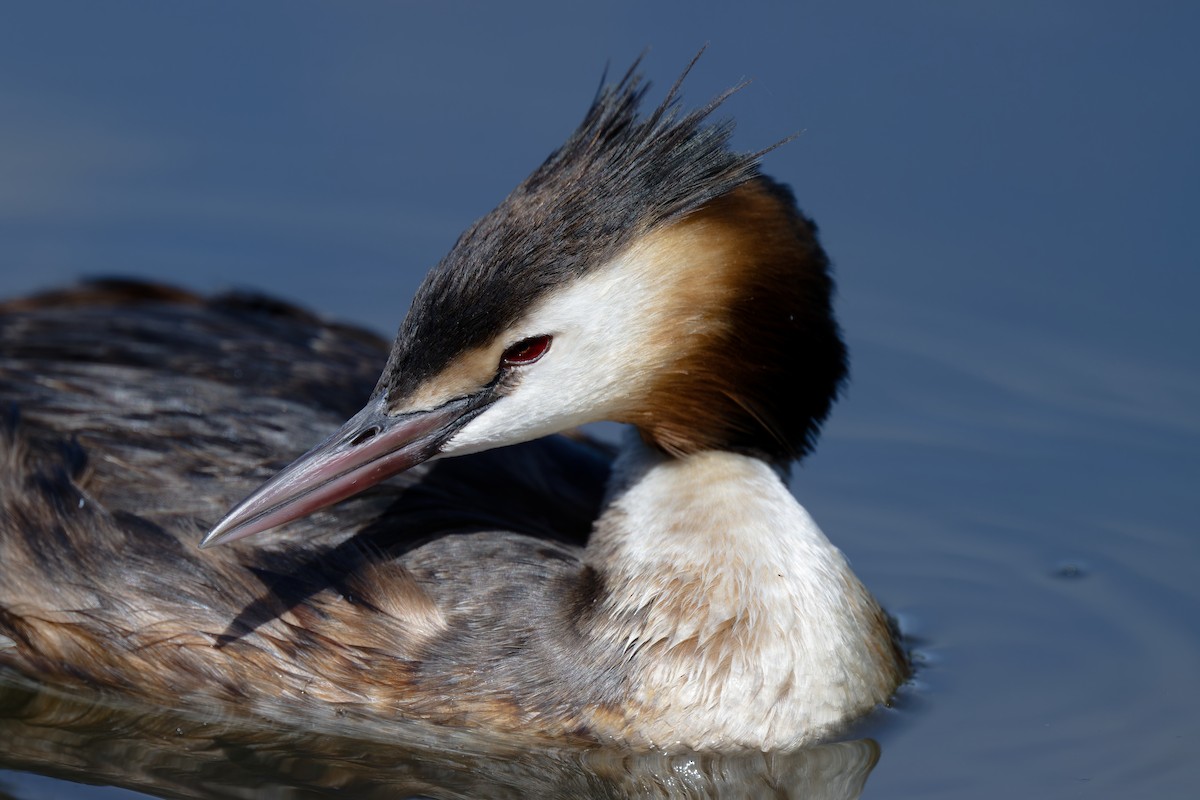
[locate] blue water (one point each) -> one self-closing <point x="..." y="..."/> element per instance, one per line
<point x="1010" y="196"/>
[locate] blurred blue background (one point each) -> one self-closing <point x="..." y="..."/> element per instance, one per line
<point x="1009" y="192"/>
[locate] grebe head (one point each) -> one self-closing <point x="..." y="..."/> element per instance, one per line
<point x="645" y="273"/>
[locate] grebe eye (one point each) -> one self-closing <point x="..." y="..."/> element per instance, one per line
<point x="525" y="351"/>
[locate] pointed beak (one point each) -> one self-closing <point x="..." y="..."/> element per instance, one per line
<point x="370" y="447"/>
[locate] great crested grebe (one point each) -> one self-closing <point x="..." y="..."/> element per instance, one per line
<point x="644" y="274"/>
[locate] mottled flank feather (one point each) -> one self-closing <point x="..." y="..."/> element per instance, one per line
<point x="135" y="415"/>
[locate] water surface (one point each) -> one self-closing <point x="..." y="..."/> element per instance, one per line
<point x="1009" y="194"/>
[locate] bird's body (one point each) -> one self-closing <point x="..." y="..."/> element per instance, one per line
<point x="676" y="597"/>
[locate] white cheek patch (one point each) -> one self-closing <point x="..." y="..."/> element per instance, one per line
<point x="608" y="342"/>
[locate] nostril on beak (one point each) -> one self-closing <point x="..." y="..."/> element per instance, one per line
<point x="364" y="436"/>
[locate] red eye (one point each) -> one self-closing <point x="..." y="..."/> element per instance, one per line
<point x="525" y="351"/>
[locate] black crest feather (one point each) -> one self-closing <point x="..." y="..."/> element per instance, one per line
<point x="617" y="176"/>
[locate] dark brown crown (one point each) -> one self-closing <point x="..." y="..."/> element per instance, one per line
<point x="616" y="176"/>
<point x="761" y="380"/>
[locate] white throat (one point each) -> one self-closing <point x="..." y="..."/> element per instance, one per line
<point x="743" y="623"/>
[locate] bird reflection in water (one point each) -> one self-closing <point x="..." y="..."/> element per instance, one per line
<point x="217" y="752"/>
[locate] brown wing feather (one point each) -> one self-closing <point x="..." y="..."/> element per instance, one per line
<point x="136" y="414"/>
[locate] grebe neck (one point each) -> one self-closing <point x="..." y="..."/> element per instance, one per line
<point x="746" y="624"/>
